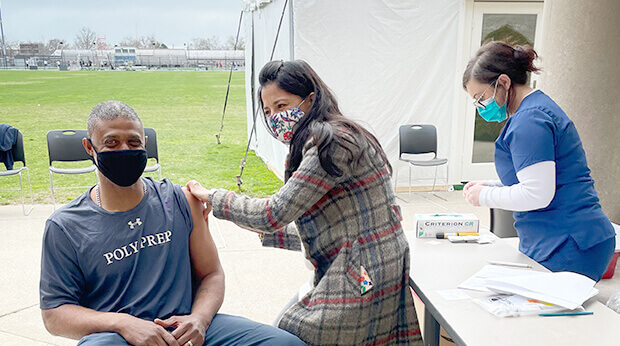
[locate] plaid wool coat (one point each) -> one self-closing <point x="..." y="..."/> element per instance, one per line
<point x="345" y="223"/>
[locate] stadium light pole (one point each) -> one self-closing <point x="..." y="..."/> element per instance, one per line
<point x="185" y="45"/>
<point x="2" y="32"/>
<point x="62" y="58"/>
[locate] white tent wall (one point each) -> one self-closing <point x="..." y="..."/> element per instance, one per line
<point x="263" y="17"/>
<point x="389" y="63"/>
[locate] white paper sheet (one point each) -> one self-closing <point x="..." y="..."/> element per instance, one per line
<point x="477" y="282"/>
<point x="566" y="289"/>
<point x="453" y="294"/>
<point x="513" y="305"/>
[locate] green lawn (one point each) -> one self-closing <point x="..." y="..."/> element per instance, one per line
<point x="184" y="107"/>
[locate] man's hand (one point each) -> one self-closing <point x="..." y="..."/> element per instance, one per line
<point x="186" y="328"/>
<point x="140" y="332"/>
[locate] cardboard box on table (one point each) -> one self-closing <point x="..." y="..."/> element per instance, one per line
<point x="428" y="225"/>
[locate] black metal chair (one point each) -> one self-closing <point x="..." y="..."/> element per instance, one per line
<point x="66" y="146"/>
<point x="19" y="156"/>
<point x="151" y="151"/>
<point x="417" y="140"/>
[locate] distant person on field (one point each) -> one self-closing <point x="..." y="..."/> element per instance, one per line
<point x="131" y="261"/>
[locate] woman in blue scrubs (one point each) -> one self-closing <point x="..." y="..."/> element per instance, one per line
<point x="544" y="177"/>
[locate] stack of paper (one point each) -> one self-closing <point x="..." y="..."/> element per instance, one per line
<point x="513" y="305"/>
<point x="565" y="289"/>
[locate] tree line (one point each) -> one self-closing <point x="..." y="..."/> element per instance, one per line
<point x="87" y="39"/>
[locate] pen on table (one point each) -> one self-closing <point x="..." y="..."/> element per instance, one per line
<point x="510" y="264"/>
<point x="576" y="313"/>
<point x="441" y="235"/>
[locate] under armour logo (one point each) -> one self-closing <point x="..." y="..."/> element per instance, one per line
<point x="132" y="225"/>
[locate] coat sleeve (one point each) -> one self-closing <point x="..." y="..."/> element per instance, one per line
<point x="273" y="216"/>
<point x="285" y="238"/>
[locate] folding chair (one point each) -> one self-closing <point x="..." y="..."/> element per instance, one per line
<point x="151" y="151"/>
<point x="66" y="146"/>
<point x="19" y="156"/>
<point x="417" y="140"/>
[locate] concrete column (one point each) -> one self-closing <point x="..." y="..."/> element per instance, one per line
<point x="580" y="56"/>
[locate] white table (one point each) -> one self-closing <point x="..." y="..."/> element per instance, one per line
<point x="445" y="266"/>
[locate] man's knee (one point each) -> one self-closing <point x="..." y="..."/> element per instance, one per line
<point x="103" y="339"/>
<point x="235" y="330"/>
<point x="270" y="335"/>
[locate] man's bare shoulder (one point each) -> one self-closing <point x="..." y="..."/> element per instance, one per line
<point x="196" y="205"/>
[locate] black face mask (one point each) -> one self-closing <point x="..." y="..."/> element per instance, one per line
<point x="122" y="167"/>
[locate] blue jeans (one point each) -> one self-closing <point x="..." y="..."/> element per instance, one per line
<point x="224" y="330"/>
<point x="591" y="262"/>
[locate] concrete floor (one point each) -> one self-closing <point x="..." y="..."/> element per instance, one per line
<point x="280" y="272"/>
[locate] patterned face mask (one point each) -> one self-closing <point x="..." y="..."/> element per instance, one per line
<point x="281" y="124"/>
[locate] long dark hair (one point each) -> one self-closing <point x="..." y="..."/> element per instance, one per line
<point x="496" y="58"/>
<point x="298" y="78"/>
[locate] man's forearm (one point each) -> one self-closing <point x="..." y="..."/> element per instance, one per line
<point x="209" y="297"/>
<point x="75" y="322"/>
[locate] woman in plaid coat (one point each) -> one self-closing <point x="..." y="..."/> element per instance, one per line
<point x="338" y="202"/>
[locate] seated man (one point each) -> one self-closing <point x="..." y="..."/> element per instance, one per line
<point x="119" y="262"/>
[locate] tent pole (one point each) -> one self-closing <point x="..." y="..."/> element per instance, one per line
<point x="229" y="78"/>
<point x="254" y="108"/>
<point x="254" y="111"/>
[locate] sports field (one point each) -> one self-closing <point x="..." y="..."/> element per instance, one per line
<point x="184" y="107"/>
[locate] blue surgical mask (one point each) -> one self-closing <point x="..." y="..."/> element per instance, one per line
<point x="491" y="110"/>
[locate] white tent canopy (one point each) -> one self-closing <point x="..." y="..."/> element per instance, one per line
<point x="389" y="63"/>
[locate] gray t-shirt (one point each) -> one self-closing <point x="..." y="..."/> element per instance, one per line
<point x="134" y="262"/>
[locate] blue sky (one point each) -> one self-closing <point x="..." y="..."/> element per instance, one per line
<point x="172" y="22"/>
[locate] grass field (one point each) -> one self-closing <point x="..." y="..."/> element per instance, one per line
<point x="184" y="107"/>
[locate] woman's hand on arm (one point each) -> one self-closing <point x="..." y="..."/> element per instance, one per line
<point x="198" y="191"/>
<point x="201" y="194"/>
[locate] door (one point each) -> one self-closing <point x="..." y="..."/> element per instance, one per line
<point x="520" y="22"/>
